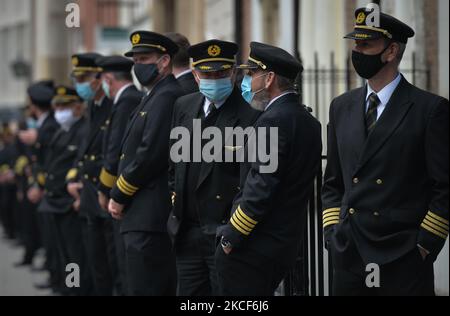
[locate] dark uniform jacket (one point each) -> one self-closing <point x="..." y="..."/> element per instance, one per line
<point x="218" y="183"/>
<point x="143" y="170"/>
<point x="387" y="192"/>
<point x="41" y="149"/>
<point x="188" y="83"/>
<point x="120" y="115"/>
<point x="63" y="152"/>
<point x="90" y="159"/>
<point x="269" y="212"/>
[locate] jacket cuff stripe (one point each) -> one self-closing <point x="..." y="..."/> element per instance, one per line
<point x="123" y="188"/>
<point x="438" y="218"/>
<point x="107" y="179"/>
<point x="330" y="215"/>
<point x="332" y="210"/>
<point x="126" y="184"/>
<point x="433" y="231"/>
<point x="436" y="227"/>
<point x="432" y="220"/>
<point x="238" y="219"/>
<point x="246" y="216"/>
<point x="72" y="174"/>
<point x="241" y="230"/>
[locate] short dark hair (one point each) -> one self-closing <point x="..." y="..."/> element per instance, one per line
<point x="285" y="84"/>
<point x="180" y="59"/>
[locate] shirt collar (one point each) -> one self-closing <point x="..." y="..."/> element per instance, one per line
<point x="279" y="97"/>
<point x="386" y="93"/>
<point x="99" y="102"/>
<point x="42" y="119"/>
<point x="208" y="102"/>
<point x="186" y="72"/>
<point x="119" y="93"/>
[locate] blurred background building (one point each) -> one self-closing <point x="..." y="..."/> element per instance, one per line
<point x="36" y="44"/>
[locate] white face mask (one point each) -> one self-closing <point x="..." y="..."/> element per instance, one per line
<point x="65" y="118"/>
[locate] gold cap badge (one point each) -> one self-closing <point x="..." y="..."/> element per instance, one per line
<point x="136" y="39"/>
<point x="214" y="51"/>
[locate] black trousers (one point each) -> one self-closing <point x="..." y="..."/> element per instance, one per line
<point x="196" y="263"/>
<point x="31" y="234"/>
<point x="150" y="262"/>
<point x="247" y="273"/>
<point x="102" y="255"/>
<point x="121" y="281"/>
<point x="71" y="244"/>
<point x="408" y="276"/>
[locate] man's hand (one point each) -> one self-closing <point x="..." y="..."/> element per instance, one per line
<point x="227" y="250"/>
<point x="103" y="201"/>
<point x="34" y="194"/>
<point x="115" y="209"/>
<point x="424" y="253"/>
<point x="76" y="205"/>
<point x="74" y="189"/>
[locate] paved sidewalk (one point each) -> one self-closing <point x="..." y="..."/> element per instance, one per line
<point x="18" y="281"/>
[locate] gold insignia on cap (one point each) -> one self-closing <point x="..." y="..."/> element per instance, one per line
<point x="136" y="39"/>
<point x="75" y="61"/>
<point x="361" y="18"/>
<point x="61" y="91"/>
<point x="214" y="50"/>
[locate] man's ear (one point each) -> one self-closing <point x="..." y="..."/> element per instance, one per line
<point x="392" y="52"/>
<point x="270" y="79"/>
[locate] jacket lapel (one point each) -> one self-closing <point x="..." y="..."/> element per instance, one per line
<point x="227" y="118"/>
<point x="393" y="115"/>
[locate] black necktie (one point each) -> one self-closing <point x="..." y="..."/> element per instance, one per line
<point x="372" y="113"/>
<point x="211" y="109"/>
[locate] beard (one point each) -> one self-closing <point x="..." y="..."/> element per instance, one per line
<point x="260" y="101"/>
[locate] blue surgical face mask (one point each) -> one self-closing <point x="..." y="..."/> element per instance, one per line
<point x="216" y="90"/>
<point x="246" y="88"/>
<point x="106" y="89"/>
<point x="85" y="91"/>
<point x="32" y="123"/>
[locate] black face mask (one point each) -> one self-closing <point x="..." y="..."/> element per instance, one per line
<point x="146" y="73"/>
<point x="367" y="66"/>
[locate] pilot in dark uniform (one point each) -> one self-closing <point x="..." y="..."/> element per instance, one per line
<point x="260" y="243"/>
<point x="203" y="192"/>
<point x="141" y="196"/>
<point x="386" y="188"/>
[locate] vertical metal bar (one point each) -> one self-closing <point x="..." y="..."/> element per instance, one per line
<point x="320" y="249"/>
<point x="414" y="68"/>
<point x="238" y="15"/>
<point x="316" y="84"/>
<point x="333" y="76"/>
<point x="312" y="244"/>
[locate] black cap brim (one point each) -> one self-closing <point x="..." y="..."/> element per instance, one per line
<point x="141" y="50"/>
<point x="214" y="66"/>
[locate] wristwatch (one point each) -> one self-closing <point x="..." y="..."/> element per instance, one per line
<point x="226" y="244"/>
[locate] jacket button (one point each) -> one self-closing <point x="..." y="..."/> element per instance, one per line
<point x="355" y="180"/>
<point x="93" y="158"/>
<point x="94" y="180"/>
<point x="51" y="177"/>
<point x="174" y="217"/>
<point x="86" y="157"/>
<point x="86" y="177"/>
<point x="224" y="222"/>
<point x="376" y="214"/>
<point x="122" y="157"/>
<point x="239" y="188"/>
<point x="379" y="182"/>
<point x="218" y="198"/>
<point x="80" y="164"/>
<point x="352" y="211"/>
